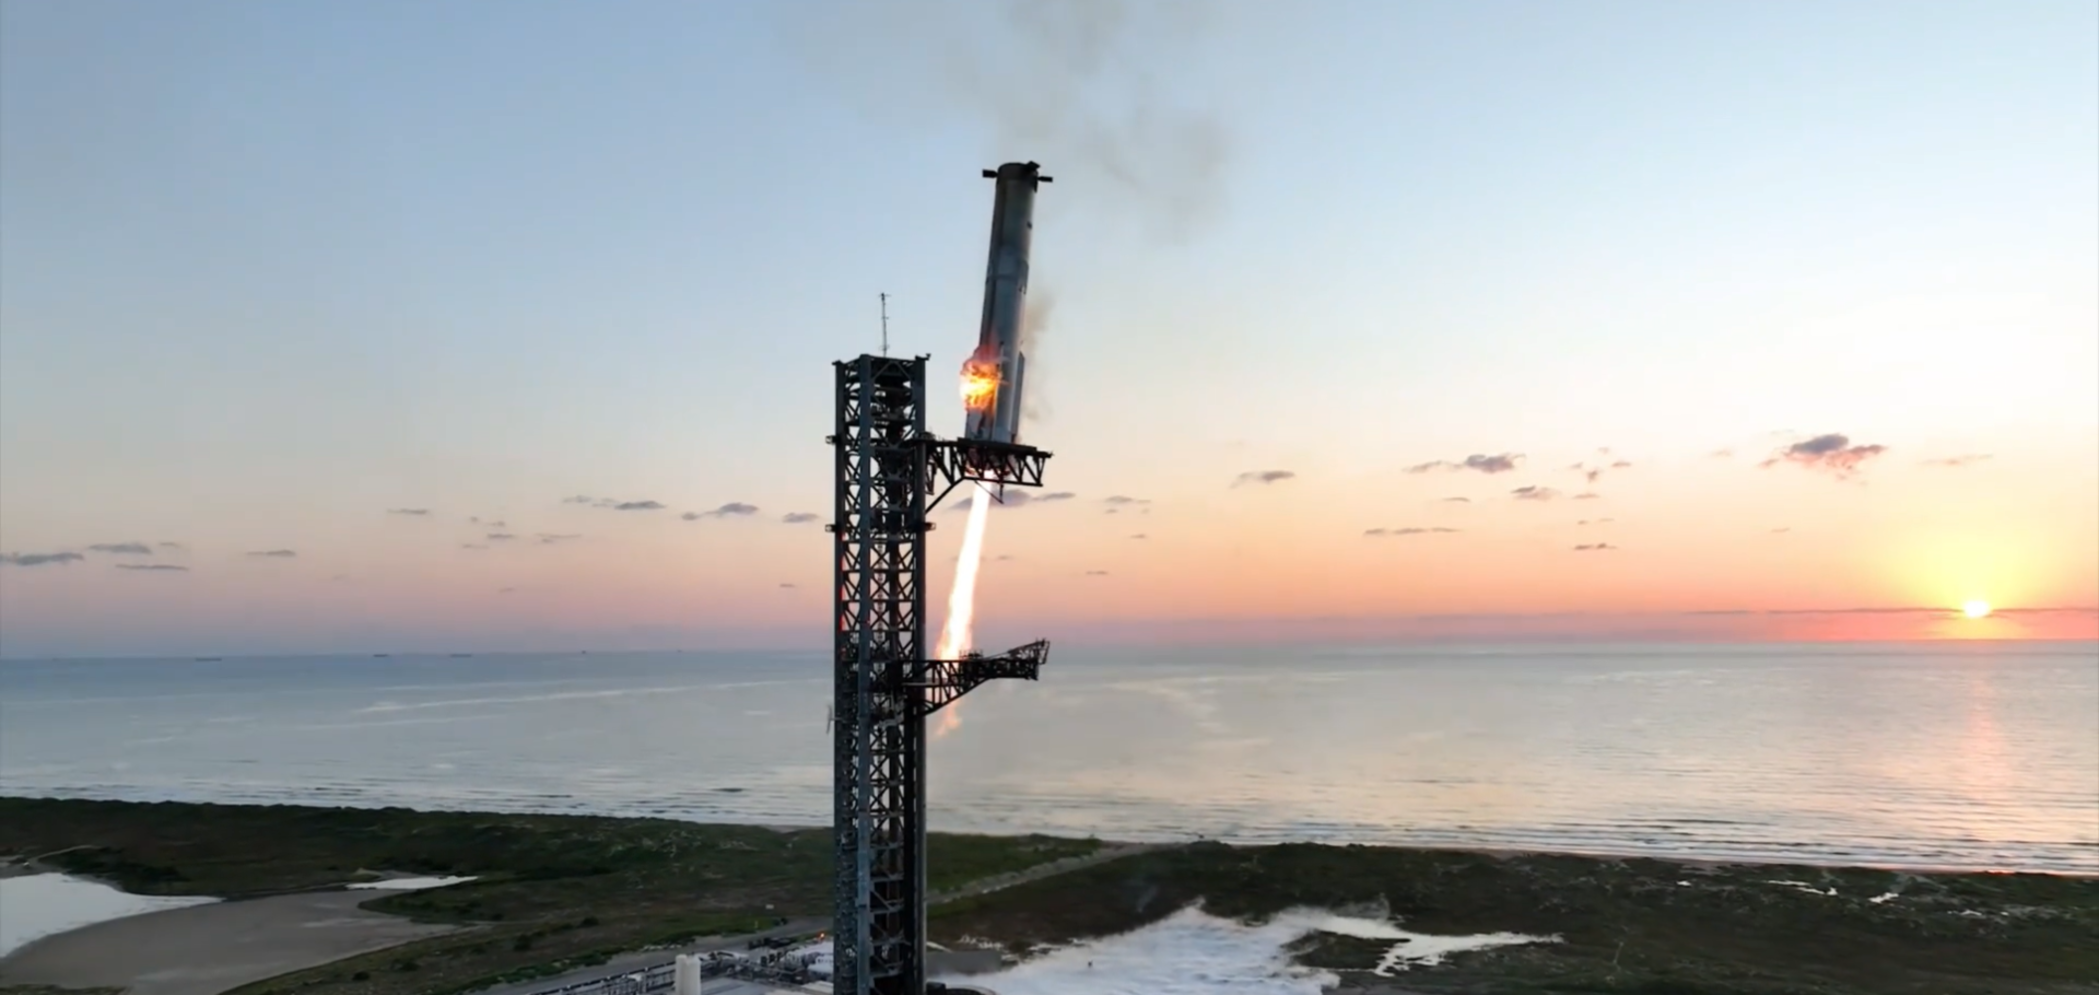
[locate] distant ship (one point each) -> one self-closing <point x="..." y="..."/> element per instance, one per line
<point x="381" y="656"/>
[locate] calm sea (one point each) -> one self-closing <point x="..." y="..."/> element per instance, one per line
<point x="1962" y="755"/>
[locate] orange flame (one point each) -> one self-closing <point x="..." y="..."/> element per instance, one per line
<point x="979" y="384"/>
<point x="956" y="635"/>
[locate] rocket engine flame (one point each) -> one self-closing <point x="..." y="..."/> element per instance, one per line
<point x="956" y="636"/>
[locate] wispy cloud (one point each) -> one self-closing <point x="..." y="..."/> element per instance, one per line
<point x="1411" y="530"/>
<point x="506" y="590"/>
<point x="154" y="567"/>
<point x="734" y="509"/>
<point x="1124" y="499"/>
<point x="1139" y="535"/>
<point x="1004" y="557"/>
<point x="787" y="586"/>
<point x="550" y="538"/>
<point x="1014" y="498"/>
<point x="1533" y="492"/>
<point x="1969" y="459"/>
<point x="473" y="545"/>
<point x="122" y="548"/>
<point x="579" y="499"/>
<point x="1057" y="496"/>
<point x="172" y="546"/>
<point x="487" y="523"/>
<point x="1096" y="573"/>
<point x="39" y="559"/>
<point x="1588" y="496"/>
<point x="799" y="517"/>
<point x="634" y="505"/>
<point x="1596" y="521"/>
<point x="412" y="512"/>
<point x="1781" y="530"/>
<point x="1594" y="547"/>
<point x="1722" y="454"/>
<point x="1454" y="500"/>
<point x="1263" y="477"/>
<point x="274" y="554"/>
<point x="1832" y="453"/>
<point x="1595" y="471"/>
<point x="499" y="537"/>
<point x="1499" y="463"/>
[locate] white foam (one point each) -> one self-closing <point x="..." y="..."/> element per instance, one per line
<point x="409" y="884"/>
<point x="1194" y="953"/>
<point x="39" y="905"/>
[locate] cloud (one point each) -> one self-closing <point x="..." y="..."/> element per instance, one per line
<point x="1781" y="530"/>
<point x="787" y="586"/>
<point x="1596" y="521"/>
<point x="415" y="512"/>
<point x="1096" y="573"/>
<point x="1594" y="547"/>
<point x="499" y="537"/>
<point x="579" y="499"/>
<point x="633" y="505"/>
<point x="736" y="509"/>
<point x="493" y="523"/>
<point x="1262" y="477"/>
<point x="1534" y="492"/>
<point x="1139" y="535"/>
<point x="176" y="546"/>
<point x="1596" y="472"/>
<point x="1013" y="498"/>
<point x="799" y="517"/>
<point x="1057" y="496"/>
<point x="1454" y="500"/>
<point x="1124" y="499"/>
<point x="505" y="590"/>
<point x="550" y="538"/>
<point x="1723" y="454"/>
<point x="1003" y="557"/>
<point x="1411" y="530"/>
<point x="1831" y="452"/>
<point x="1969" y="459"/>
<point x="39" y="559"/>
<point x="1588" y="496"/>
<point x="472" y="545"/>
<point x="274" y="554"/>
<point x="122" y="548"/>
<point x="1500" y="463"/>
<point x="155" y="567"/>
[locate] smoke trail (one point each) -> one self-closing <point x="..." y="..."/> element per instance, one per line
<point x="956" y="635"/>
<point x="1086" y="87"/>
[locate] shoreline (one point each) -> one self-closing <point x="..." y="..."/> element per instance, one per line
<point x="1687" y="855"/>
<point x="563" y="895"/>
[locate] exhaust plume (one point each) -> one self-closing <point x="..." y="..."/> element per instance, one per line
<point x="957" y="635"/>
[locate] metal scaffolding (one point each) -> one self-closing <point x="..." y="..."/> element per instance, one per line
<point x="890" y="473"/>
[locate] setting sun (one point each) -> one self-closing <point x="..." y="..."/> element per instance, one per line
<point x="1976" y="609"/>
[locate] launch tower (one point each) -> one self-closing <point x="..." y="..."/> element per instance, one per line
<point x="890" y="472"/>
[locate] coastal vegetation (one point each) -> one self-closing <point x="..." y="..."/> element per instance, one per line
<point x="552" y="893"/>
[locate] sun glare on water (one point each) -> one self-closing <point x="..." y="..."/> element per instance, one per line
<point x="1976" y="609"/>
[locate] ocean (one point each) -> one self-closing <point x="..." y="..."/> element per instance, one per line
<point x="1948" y="755"/>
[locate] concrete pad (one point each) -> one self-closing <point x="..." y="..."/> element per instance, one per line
<point x="208" y="949"/>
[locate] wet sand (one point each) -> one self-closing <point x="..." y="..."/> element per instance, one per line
<point x="212" y="948"/>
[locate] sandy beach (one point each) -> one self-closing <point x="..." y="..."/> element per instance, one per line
<point x="212" y="948"/>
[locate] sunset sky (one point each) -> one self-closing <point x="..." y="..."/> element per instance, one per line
<point x="1814" y="286"/>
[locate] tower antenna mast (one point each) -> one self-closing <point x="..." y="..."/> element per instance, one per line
<point x="885" y="324"/>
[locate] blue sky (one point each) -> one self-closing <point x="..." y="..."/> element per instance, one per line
<point x="271" y="269"/>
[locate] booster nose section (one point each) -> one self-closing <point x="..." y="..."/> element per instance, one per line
<point x="994" y="375"/>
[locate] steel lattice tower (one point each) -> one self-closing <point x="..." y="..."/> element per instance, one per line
<point x="890" y="473"/>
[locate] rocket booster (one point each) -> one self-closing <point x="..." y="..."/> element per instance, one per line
<point x="993" y="375"/>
